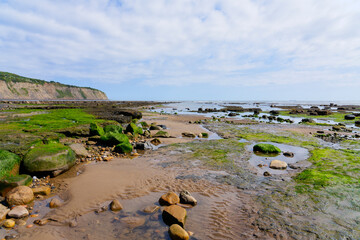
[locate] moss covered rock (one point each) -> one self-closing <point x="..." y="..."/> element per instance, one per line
<point x="11" y="182"/>
<point x="134" y="129"/>
<point x="49" y="158"/>
<point x="162" y="134"/>
<point x="96" y="129"/>
<point x="113" y="129"/>
<point x="124" y="147"/>
<point x="113" y="138"/>
<point x="9" y="164"/>
<point x="266" y="148"/>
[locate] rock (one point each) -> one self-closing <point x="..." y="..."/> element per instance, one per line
<point x="174" y="215"/>
<point x="79" y="149"/>
<point x="320" y="132"/>
<point x="288" y="154"/>
<point x="162" y="126"/>
<point x="96" y="130"/>
<point x="186" y="198"/>
<point x="125" y="147"/>
<point x="277" y="164"/>
<point x="20" y="196"/>
<point x="9" y="164"/>
<point x="18" y="212"/>
<point x="20" y="222"/>
<point x="349" y="117"/>
<point x="134" y="129"/>
<point x="204" y="135"/>
<point x="108" y="158"/>
<point x="357" y="123"/>
<point x="307" y="120"/>
<point x="169" y="198"/>
<point x="134" y="114"/>
<point x="188" y="134"/>
<point x="176" y="232"/>
<point x="151" y="209"/>
<point x="41" y="222"/>
<point x="161" y="134"/>
<point x="274" y="112"/>
<point x="11" y="182"/>
<point x="267" y="174"/>
<point x="133" y="222"/>
<point x="115" y="205"/>
<point x="266" y="148"/>
<point x="3" y="212"/>
<point x="54" y="203"/>
<point x="113" y="128"/>
<point x="51" y="158"/>
<point x="113" y="138"/>
<point x="9" y="223"/>
<point x="43" y="190"/>
<point x="155" y="127"/>
<point x="155" y="141"/>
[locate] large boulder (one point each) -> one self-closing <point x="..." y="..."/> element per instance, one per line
<point x="52" y="158"/>
<point x="174" y="214"/>
<point x="176" y="232"/>
<point x="113" y="138"/>
<point x="20" y="196"/>
<point x="95" y="129"/>
<point x="266" y="148"/>
<point x="134" y="129"/>
<point x="124" y="147"/>
<point x="9" y="164"/>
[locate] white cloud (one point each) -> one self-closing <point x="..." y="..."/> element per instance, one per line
<point x="163" y="42"/>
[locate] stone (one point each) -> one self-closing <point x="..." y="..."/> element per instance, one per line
<point x="277" y="164"/>
<point x="169" y="198"/>
<point x="11" y="182"/>
<point x="176" y="232"/>
<point x="115" y="205"/>
<point x="9" y="223"/>
<point x="134" y="129"/>
<point x="79" y="149"/>
<point x="155" y="127"/>
<point x="162" y="134"/>
<point x="133" y="222"/>
<point x="357" y="123"/>
<point x="41" y="222"/>
<point x="288" y="154"/>
<point x="188" y="134"/>
<point x="54" y="203"/>
<point x="307" y="120"/>
<point x="174" y="215"/>
<point x="349" y="117"/>
<point x="266" y="148"/>
<point x="96" y="129"/>
<point x="42" y="190"/>
<point x="3" y="212"/>
<point x="9" y="163"/>
<point x="186" y="198"/>
<point x="151" y="209"/>
<point x="267" y="174"/>
<point x="20" y="222"/>
<point x="18" y="212"/>
<point x="52" y="157"/>
<point x="155" y="141"/>
<point x="20" y="196"/>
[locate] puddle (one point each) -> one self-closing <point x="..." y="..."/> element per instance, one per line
<point x="265" y="159"/>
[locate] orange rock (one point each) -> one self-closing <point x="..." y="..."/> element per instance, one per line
<point x="174" y="215"/>
<point x="169" y="198"/>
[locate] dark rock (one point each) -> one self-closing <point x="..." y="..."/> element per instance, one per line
<point x="267" y="174"/>
<point x="288" y="154"/>
<point x="186" y="198"/>
<point x="349" y="117"/>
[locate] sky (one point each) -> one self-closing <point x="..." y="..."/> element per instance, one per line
<point x="188" y="49"/>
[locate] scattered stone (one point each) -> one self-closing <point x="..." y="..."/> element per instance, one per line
<point x="169" y="199"/>
<point x="3" y="212"/>
<point x="188" y="134"/>
<point x="115" y="205"/>
<point x="54" y="203"/>
<point x="267" y="174"/>
<point x="41" y="222"/>
<point x="9" y="223"/>
<point x="108" y="158"/>
<point x="20" y="196"/>
<point x="18" y="212"/>
<point x="277" y="164"/>
<point x="79" y="149"/>
<point x="288" y="154"/>
<point x="307" y="120"/>
<point x="174" y="215"/>
<point x="133" y="221"/>
<point x="151" y="209"/>
<point x="155" y="141"/>
<point x="186" y="198"/>
<point x="176" y="232"/>
<point x="43" y="190"/>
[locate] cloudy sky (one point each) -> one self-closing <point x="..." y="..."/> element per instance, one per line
<point x="188" y="49"/>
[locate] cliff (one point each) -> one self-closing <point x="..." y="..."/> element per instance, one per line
<point x="16" y="87"/>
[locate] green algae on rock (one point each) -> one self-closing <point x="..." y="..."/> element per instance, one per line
<point x="95" y="129"/>
<point x="9" y="164"/>
<point x="113" y="128"/>
<point x="134" y="129"/>
<point x="52" y="157"/>
<point x="266" y="148"/>
<point x="13" y="181"/>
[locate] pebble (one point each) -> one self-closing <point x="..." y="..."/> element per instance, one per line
<point x="9" y="223"/>
<point x="29" y="226"/>
<point x="115" y="205"/>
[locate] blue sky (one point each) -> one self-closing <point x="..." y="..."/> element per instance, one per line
<point x="188" y="49"/>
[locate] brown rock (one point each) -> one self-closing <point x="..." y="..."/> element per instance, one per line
<point x="20" y="195"/>
<point x="169" y="198"/>
<point x="115" y="205"/>
<point x="188" y="134"/>
<point x="151" y="209"/>
<point x="277" y="164"/>
<point x="176" y="232"/>
<point x="18" y="212"/>
<point x="54" y="203"/>
<point x="155" y="141"/>
<point x="174" y="215"/>
<point x="133" y="221"/>
<point x="41" y="222"/>
<point x="108" y="158"/>
<point x="43" y="190"/>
